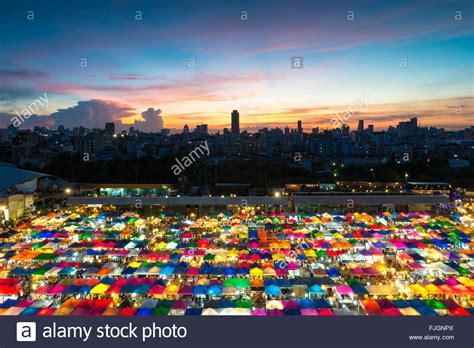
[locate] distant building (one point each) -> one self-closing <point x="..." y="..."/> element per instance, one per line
<point x="300" y="127"/>
<point x="407" y="129"/>
<point x="186" y="129"/>
<point x="360" y="127"/>
<point x="202" y="129"/>
<point x="110" y="128"/>
<point x="4" y="135"/>
<point x="94" y="143"/>
<point x="235" y="124"/>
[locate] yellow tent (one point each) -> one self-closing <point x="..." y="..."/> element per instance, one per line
<point x="135" y="264"/>
<point x="418" y="289"/>
<point x="465" y="281"/>
<point x="202" y="281"/>
<point x="432" y="289"/>
<point x="233" y="253"/>
<point x="256" y="272"/>
<point x="408" y="311"/>
<point x="161" y="245"/>
<point x="99" y="289"/>
<point x="277" y="256"/>
<point x="171" y="289"/>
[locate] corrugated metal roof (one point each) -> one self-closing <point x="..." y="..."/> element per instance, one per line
<point x="209" y="201"/>
<point x="372" y="199"/>
<point x="10" y="176"/>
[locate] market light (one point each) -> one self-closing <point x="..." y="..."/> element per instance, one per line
<point x="277" y="194"/>
<point x="67" y="190"/>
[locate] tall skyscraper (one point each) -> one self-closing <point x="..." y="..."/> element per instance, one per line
<point x="110" y="128"/>
<point x="235" y="124"/>
<point x="300" y="127"/>
<point x="201" y="129"/>
<point x="360" y="127"/>
<point x="186" y="129"/>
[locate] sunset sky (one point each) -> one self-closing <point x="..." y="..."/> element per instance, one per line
<point x="134" y="65"/>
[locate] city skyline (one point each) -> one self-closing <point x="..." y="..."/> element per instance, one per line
<point x="154" y="65"/>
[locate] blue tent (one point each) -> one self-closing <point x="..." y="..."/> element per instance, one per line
<point x="128" y="270"/>
<point x="332" y="272"/>
<point x="193" y="311"/>
<point x="243" y="270"/>
<point x="200" y="290"/>
<point x="270" y="281"/>
<point x="167" y="270"/>
<point x="128" y="289"/>
<point x="214" y="290"/>
<point x="316" y="289"/>
<point x="142" y="289"/>
<point x="272" y="290"/>
<point x="306" y="303"/>
<point x="322" y="303"/>
<point x="30" y="311"/>
<point x="227" y="304"/>
<point x="229" y="271"/>
<point x="9" y="303"/>
<point x="218" y="270"/>
<point x="144" y="311"/>
<point x="291" y="311"/>
<point x="426" y="311"/>
<point x="67" y="270"/>
<point x="107" y="280"/>
<point x="359" y="289"/>
<point x="401" y="304"/>
<point x="416" y="303"/>
<point x="284" y="283"/>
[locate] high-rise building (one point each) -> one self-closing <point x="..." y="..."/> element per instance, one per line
<point x="408" y="129"/>
<point x="110" y="128"/>
<point x="235" y="124"/>
<point x="345" y="129"/>
<point x="201" y="129"/>
<point x="4" y="136"/>
<point x="300" y="127"/>
<point x="360" y="127"/>
<point x="370" y="128"/>
<point x="186" y="129"/>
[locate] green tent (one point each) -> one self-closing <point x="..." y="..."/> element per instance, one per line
<point x="46" y="257"/>
<point x="352" y="281"/>
<point x="435" y="304"/>
<point x="40" y="271"/>
<point x="161" y="311"/>
<point x="244" y="304"/>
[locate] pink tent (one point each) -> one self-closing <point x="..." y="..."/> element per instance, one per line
<point x="259" y="312"/>
<point x="344" y="290"/>
<point x="309" y="311"/>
